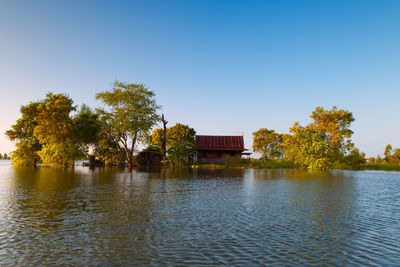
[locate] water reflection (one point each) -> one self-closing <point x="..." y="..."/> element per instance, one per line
<point x="198" y="216"/>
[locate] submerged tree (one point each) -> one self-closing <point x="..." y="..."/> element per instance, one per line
<point x="64" y="138"/>
<point x="27" y="145"/>
<point x="311" y="147"/>
<point x="54" y="130"/>
<point x="180" y="139"/>
<point x="130" y="114"/>
<point x="48" y="133"/>
<point x="322" y="142"/>
<point x="268" y="142"/>
<point x="336" y="123"/>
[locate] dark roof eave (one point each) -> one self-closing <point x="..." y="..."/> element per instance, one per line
<point x="224" y="149"/>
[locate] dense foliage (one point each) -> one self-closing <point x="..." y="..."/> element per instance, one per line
<point x="391" y="155"/>
<point x="27" y="145"/>
<point x="268" y="143"/>
<point x="48" y="133"/>
<point x="180" y="140"/>
<point x="319" y="145"/>
<point x="129" y="114"/>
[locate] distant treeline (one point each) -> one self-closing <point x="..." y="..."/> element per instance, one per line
<point x="4" y="156"/>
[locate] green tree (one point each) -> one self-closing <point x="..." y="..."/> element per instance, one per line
<point x="355" y="158"/>
<point x="180" y="139"/>
<point x="5" y="156"/>
<point x="86" y="130"/>
<point x="268" y="142"/>
<point x="1" y="156"/>
<point x="27" y="145"/>
<point x="322" y="142"/>
<point x="131" y="113"/>
<point x="180" y="133"/>
<point x="86" y="126"/>
<point x="388" y="153"/>
<point x="156" y="137"/>
<point x="55" y="131"/>
<point x="372" y="160"/>
<point x="396" y="155"/>
<point x="336" y="123"/>
<point x="178" y="151"/>
<point x="107" y="150"/>
<point x="289" y="147"/>
<point x="310" y="147"/>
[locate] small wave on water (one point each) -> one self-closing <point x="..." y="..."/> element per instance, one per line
<point x="200" y="217"/>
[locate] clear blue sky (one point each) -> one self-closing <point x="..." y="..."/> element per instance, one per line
<point x="223" y="67"/>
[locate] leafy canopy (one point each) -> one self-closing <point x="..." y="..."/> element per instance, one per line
<point x="27" y="145"/>
<point x="180" y="138"/>
<point x="129" y="115"/>
<point x="323" y="141"/>
<point x="48" y="133"/>
<point x="267" y="142"/>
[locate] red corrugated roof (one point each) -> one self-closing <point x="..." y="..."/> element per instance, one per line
<point x="212" y="142"/>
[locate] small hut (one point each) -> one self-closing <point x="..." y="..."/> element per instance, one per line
<point x="212" y="148"/>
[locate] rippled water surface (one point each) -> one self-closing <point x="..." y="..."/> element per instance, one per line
<point x="232" y="217"/>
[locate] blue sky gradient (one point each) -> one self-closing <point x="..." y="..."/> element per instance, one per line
<point x="223" y="67"/>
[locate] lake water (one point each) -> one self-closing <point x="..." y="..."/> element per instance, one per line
<point x="198" y="217"/>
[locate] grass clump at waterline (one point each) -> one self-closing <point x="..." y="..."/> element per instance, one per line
<point x="381" y="166"/>
<point x="233" y="162"/>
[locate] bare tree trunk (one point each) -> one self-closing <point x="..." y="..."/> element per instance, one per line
<point x="130" y="153"/>
<point x="130" y="162"/>
<point x="164" y="138"/>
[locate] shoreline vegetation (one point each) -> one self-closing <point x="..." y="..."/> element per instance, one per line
<point x="283" y="164"/>
<point x="55" y="132"/>
<point x="4" y="156"/>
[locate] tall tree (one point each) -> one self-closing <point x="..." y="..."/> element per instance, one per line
<point x="267" y="142"/>
<point x="48" y="133"/>
<point x="131" y="113"/>
<point x="86" y="127"/>
<point x="388" y="153"/>
<point x="323" y="141"/>
<point x="27" y="145"/>
<point x="55" y="131"/>
<point x="336" y="122"/>
<point x="180" y="139"/>
<point x="311" y="147"/>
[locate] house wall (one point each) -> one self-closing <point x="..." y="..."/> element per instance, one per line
<point x="215" y="156"/>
